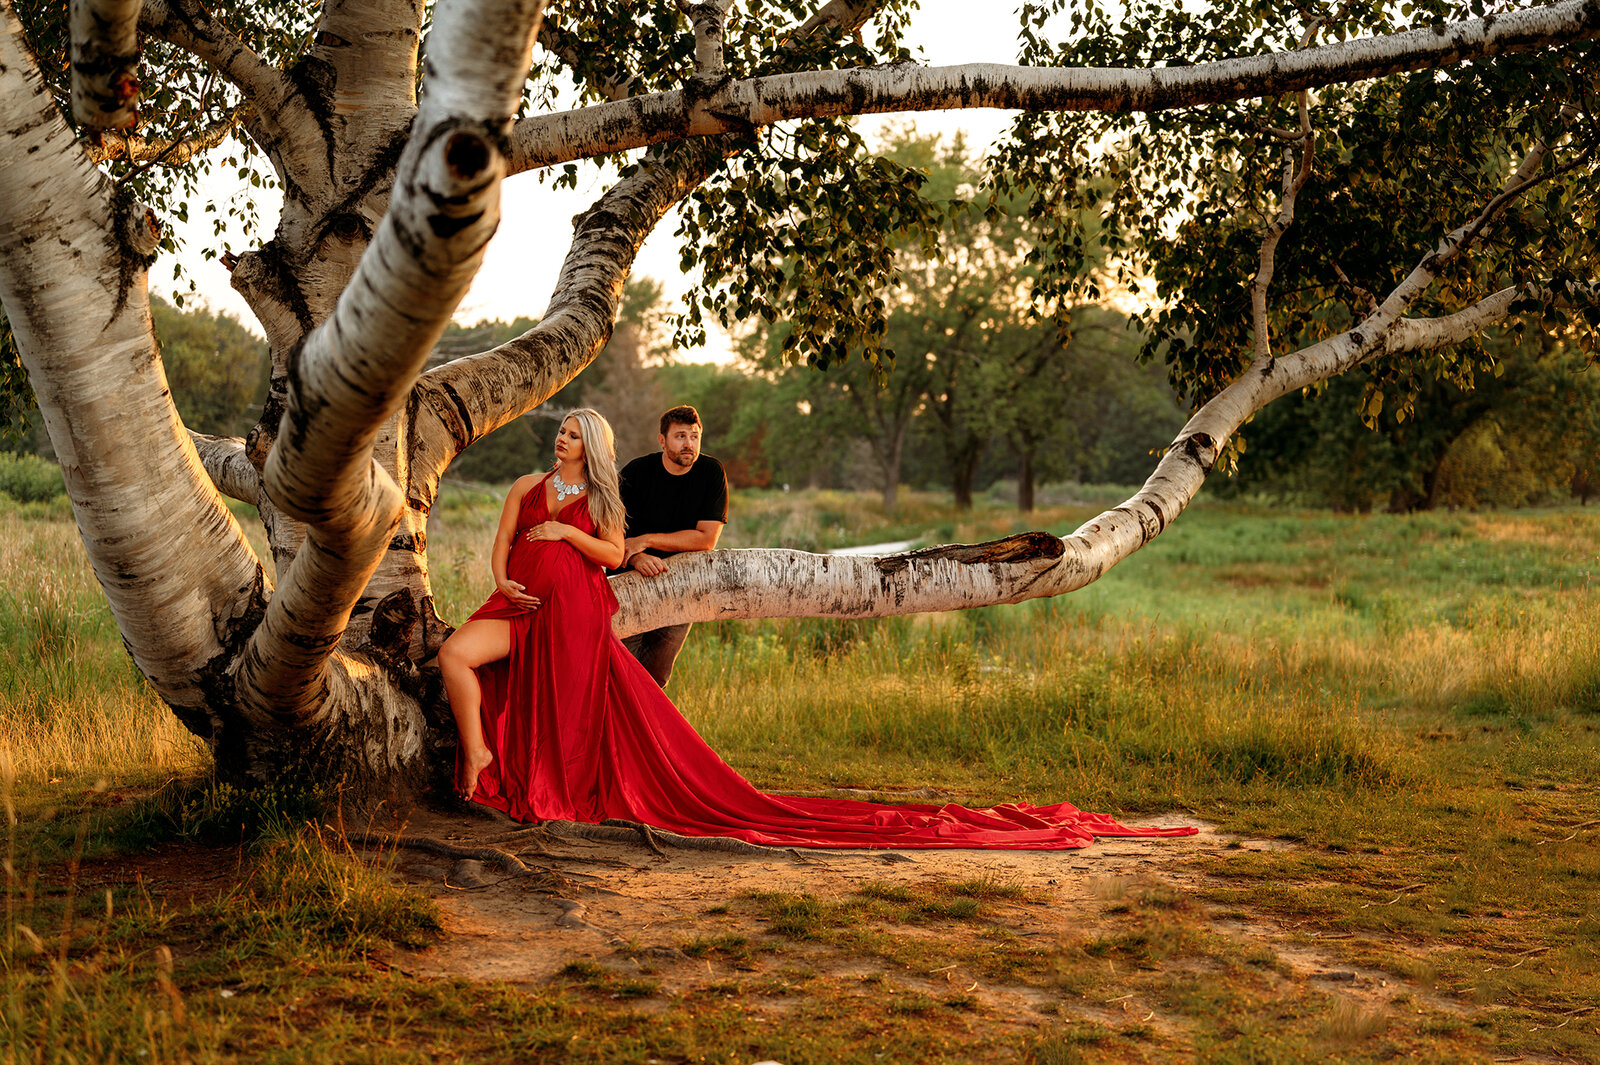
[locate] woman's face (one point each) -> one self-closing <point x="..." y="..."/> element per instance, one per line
<point x="569" y="442"/>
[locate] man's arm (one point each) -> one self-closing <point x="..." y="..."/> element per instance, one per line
<point x="703" y="537"/>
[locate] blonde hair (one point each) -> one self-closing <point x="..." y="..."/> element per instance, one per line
<point x="600" y="467"/>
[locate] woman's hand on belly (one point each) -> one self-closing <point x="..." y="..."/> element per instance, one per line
<point x="518" y="595"/>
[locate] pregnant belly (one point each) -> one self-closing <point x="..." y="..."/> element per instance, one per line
<point x="544" y="567"/>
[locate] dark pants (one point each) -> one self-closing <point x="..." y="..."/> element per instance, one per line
<point x="657" y="649"/>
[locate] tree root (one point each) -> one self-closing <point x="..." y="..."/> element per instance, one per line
<point x="508" y="862"/>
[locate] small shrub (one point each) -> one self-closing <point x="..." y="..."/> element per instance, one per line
<point x="1350" y="1022"/>
<point x="911" y="1003"/>
<point x="308" y="884"/>
<point x="635" y="989"/>
<point x="877" y="889"/>
<point x="583" y="971"/>
<point x="987" y="888"/>
<point x="211" y="811"/>
<point x="729" y="945"/>
<point x="796" y="916"/>
<point x="30" y="479"/>
<point x="956" y="909"/>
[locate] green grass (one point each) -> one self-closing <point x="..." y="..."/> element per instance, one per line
<point x="1412" y="701"/>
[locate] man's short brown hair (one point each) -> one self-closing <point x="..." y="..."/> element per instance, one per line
<point x="680" y="415"/>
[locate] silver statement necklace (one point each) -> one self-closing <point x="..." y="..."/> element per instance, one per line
<point x="563" y="489"/>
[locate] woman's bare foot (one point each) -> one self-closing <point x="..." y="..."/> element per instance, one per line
<point x="473" y="763"/>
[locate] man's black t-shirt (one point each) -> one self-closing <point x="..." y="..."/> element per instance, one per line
<point x="660" y="502"/>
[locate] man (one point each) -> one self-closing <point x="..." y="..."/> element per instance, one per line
<point x="677" y="501"/>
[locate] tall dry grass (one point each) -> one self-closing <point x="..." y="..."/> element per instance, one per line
<point x="71" y="702"/>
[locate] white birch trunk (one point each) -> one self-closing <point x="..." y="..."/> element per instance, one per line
<point x="181" y="580"/>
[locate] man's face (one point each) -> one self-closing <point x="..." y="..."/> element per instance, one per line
<point x="681" y="444"/>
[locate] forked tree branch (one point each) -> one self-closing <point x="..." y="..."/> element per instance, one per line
<point x="1294" y="179"/>
<point x="640" y="121"/>
<point x="470" y="397"/>
<point x="105" y="63"/>
<point x="355" y="370"/>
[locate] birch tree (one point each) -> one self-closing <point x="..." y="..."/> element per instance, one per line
<point x="733" y="117"/>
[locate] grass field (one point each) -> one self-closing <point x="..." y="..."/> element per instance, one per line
<point x="1410" y="703"/>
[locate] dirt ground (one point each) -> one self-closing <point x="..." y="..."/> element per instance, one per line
<point x="502" y="927"/>
<point x="629" y="911"/>
<point x="626" y="908"/>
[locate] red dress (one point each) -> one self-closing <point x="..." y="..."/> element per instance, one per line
<point x="581" y="732"/>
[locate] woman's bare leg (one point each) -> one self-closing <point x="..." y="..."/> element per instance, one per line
<point x="473" y="644"/>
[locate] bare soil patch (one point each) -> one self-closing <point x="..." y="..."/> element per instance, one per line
<point x="507" y="927"/>
<point x="638" y="923"/>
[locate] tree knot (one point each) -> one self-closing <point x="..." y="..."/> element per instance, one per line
<point x="1023" y="547"/>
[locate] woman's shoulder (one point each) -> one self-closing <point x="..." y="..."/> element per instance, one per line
<point x="524" y="484"/>
<point x="522" y="489"/>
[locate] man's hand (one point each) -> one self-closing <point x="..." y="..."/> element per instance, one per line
<point x="633" y="545"/>
<point x="646" y="564"/>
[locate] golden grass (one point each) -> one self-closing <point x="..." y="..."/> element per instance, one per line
<point x="71" y="702"/>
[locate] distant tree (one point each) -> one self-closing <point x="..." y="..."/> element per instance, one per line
<point x="216" y="368"/>
<point x="622" y="384"/>
<point x="1521" y="429"/>
<point x="970" y="356"/>
<point x="1136" y="417"/>
<point x="964" y="315"/>
<point x="817" y="414"/>
<point x="1061" y="400"/>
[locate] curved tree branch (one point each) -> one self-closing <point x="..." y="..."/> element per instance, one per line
<point x="355" y="370"/>
<point x="718" y="585"/>
<point x="105" y="63"/>
<point x="228" y="466"/>
<point x="469" y="398"/>
<point x="543" y="140"/>
<point x="136" y="149"/>
<point x="1294" y="179"/>
<point x="1431" y="334"/>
